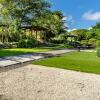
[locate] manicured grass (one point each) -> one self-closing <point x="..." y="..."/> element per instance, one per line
<point x="78" y="61"/>
<point x="18" y="51"/>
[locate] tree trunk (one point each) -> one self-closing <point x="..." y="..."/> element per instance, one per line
<point x="36" y="36"/>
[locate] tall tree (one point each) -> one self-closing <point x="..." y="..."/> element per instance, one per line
<point x="53" y="23"/>
<point x="16" y="13"/>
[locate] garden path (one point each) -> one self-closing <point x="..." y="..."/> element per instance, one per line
<point x="35" y="82"/>
<point x="14" y="60"/>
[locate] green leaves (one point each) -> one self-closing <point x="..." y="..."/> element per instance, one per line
<point x="35" y="13"/>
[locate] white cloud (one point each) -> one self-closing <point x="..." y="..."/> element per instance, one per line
<point x="89" y="28"/>
<point x="69" y="30"/>
<point x="65" y="18"/>
<point x="68" y="18"/>
<point x="69" y="21"/>
<point x="90" y="15"/>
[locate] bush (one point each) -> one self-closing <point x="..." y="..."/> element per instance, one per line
<point x="31" y="43"/>
<point x="10" y="44"/>
<point x="14" y="44"/>
<point x="84" y="42"/>
<point x="98" y="44"/>
<point x="92" y="42"/>
<point x="22" y="43"/>
<point x="27" y="43"/>
<point x="98" y="52"/>
<point x="7" y="45"/>
<point x="1" y="45"/>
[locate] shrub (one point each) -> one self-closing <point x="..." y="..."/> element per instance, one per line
<point x="27" y="43"/>
<point x="98" y="44"/>
<point x="1" y="45"/>
<point x="84" y="42"/>
<point x="98" y="52"/>
<point x="92" y="42"/>
<point x="98" y="48"/>
<point x="14" y="44"/>
<point x="22" y="43"/>
<point x="8" y="45"/>
<point x="31" y="43"/>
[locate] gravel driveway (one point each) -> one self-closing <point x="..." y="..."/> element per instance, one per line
<point x="33" y="82"/>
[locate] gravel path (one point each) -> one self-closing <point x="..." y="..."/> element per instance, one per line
<point x="33" y="82"/>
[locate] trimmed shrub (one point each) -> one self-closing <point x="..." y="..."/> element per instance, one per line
<point x="98" y="44"/>
<point x="98" y="52"/>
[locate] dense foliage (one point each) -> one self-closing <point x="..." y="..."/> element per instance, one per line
<point x="28" y="23"/>
<point x="87" y="37"/>
<point x="21" y="20"/>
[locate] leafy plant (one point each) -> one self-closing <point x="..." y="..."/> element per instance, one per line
<point x="98" y="52"/>
<point x="98" y="44"/>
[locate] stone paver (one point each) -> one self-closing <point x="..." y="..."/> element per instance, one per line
<point x="29" y="57"/>
<point x="5" y="62"/>
<point x="33" y="82"/>
<point x="57" y="52"/>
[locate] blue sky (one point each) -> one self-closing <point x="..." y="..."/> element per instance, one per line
<point x="80" y="13"/>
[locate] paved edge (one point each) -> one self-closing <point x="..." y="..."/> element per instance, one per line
<point x="42" y="54"/>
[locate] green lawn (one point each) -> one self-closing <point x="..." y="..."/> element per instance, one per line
<point x="18" y="51"/>
<point x="78" y="61"/>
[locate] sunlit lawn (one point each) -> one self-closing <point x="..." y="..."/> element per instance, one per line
<point x="78" y="61"/>
<point x="18" y="51"/>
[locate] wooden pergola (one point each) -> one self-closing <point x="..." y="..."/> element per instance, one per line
<point x="34" y="29"/>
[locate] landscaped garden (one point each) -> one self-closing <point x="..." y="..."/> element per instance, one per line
<point x="49" y="49"/>
<point x="78" y="61"/>
<point x="32" y="26"/>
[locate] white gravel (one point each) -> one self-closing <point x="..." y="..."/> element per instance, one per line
<point x="33" y="82"/>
